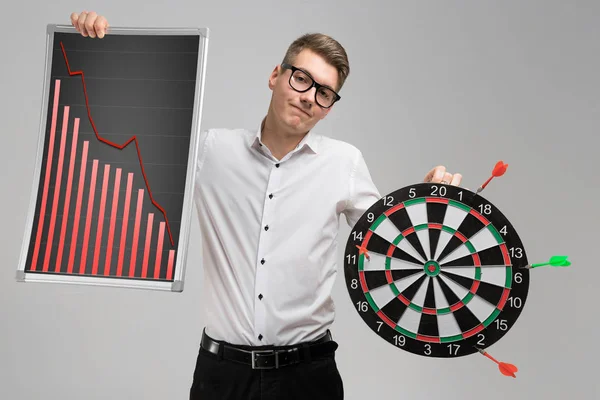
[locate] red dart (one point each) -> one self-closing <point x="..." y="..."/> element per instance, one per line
<point x="505" y="368"/>
<point x="363" y="250"/>
<point x="499" y="170"/>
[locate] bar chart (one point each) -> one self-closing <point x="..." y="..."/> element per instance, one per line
<point x="113" y="186"/>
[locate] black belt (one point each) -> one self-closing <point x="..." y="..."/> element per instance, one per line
<point x="276" y="357"/>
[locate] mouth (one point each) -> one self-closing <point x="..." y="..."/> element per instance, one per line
<point x="303" y="111"/>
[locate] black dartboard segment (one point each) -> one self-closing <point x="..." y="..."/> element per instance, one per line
<point x="435" y="270"/>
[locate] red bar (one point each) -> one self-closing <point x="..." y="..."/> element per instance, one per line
<point x="78" y="206"/>
<point x="113" y="218"/>
<point x="136" y="232"/>
<point x="432" y="225"/>
<point x="161" y="237"/>
<point x="430" y="311"/>
<point x="88" y="219"/>
<point x="125" y="222"/>
<point x="147" y="247"/>
<point x="170" y="265"/>
<point x="40" y="228"/>
<point x="58" y="179"/>
<point x="63" y="228"/>
<point x="100" y="219"/>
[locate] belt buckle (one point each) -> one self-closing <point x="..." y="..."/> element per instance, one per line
<point x="258" y="353"/>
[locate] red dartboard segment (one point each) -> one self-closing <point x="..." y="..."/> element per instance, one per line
<point x="428" y="339"/>
<point x="480" y="217"/>
<point x="363" y="281"/>
<point x="404" y="299"/>
<point x="505" y="254"/>
<point x="460" y="236"/>
<point x="434" y="226"/>
<point x="474" y="286"/>
<point x="408" y="231"/>
<point x="394" y="209"/>
<point x="473" y="331"/>
<point x="503" y="299"/>
<point x="429" y="311"/>
<point x="386" y="319"/>
<point x="388" y="276"/>
<point x="367" y="238"/>
<point x="456" y="306"/>
<point x="390" y="251"/>
<point x="436" y="200"/>
<point x="476" y="259"/>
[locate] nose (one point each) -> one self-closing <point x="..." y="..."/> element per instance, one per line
<point x="308" y="97"/>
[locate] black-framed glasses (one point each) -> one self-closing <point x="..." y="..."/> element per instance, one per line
<point x="301" y="81"/>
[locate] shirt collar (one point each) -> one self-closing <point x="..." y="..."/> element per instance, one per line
<point x="310" y="140"/>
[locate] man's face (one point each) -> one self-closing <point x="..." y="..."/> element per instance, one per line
<point x="299" y="112"/>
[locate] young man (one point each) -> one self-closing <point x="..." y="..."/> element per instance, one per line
<point x="269" y="202"/>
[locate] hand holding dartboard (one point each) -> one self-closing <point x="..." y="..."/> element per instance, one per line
<point x="438" y="271"/>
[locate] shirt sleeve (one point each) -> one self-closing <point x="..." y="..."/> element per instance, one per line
<point x="362" y="194"/>
<point x="203" y="140"/>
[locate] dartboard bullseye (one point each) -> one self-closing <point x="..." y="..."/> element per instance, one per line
<point x="436" y="270"/>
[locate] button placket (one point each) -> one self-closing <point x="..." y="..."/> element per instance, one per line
<point x="261" y="291"/>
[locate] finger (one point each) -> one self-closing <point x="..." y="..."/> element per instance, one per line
<point x="436" y="174"/>
<point x="100" y="26"/>
<point x="81" y="24"/>
<point x="447" y="178"/>
<point x="89" y="24"/>
<point x="456" y="179"/>
<point x="74" y="18"/>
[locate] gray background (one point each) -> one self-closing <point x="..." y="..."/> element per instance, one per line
<point x="462" y="84"/>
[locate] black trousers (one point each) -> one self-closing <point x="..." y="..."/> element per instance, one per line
<point x="218" y="378"/>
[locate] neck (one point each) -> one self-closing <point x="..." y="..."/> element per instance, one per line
<point x="279" y="141"/>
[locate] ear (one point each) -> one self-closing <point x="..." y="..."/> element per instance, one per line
<point x="273" y="77"/>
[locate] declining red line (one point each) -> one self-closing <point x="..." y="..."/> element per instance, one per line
<point x="120" y="147"/>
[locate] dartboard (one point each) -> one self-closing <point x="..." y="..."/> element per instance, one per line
<point x="436" y="270"/>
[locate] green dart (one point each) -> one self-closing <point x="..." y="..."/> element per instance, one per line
<point x="555" y="261"/>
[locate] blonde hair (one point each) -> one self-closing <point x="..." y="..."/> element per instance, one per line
<point x="325" y="46"/>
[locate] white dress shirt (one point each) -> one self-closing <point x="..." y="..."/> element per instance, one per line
<point x="270" y="231"/>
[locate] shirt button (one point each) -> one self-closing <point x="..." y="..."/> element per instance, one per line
<point x="271" y="196"/>
<point x="262" y="261"/>
<point x="267" y="228"/>
<point x="277" y="165"/>
<point x="260" y="296"/>
<point x="260" y="337"/>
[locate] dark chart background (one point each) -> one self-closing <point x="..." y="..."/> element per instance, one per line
<point x="141" y="86"/>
